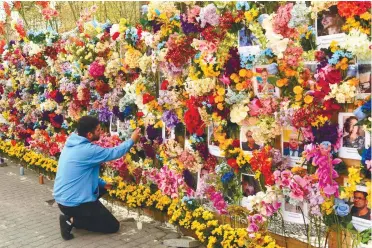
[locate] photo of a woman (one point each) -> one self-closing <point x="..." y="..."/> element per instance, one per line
<point x="354" y="137"/>
<point x="329" y="22"/>
<point x="262" y="82"/>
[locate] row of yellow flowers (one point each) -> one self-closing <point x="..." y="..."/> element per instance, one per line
<point x="24" y="154"/>
<point x="201" y="221"/>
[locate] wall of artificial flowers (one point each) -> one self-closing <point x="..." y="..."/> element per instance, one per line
<point x="254" y="110"/>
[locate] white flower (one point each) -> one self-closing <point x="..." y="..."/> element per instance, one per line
<point x="200" y="87"/>
<point x="238" y="112"/>
<point x="358" y="44"/>
<point x="275" y="41"/>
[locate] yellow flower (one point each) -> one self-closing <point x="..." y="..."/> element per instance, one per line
<point x="298" y="98"/>
<point x="333" y="46"/>
<point x="242" y="72"/>
<point x="365" y="16"/>
<point x="308" y="99"/>
<point x="298" y="90"/>
<point x="221" y="91"/>
<point x="220" y="106"/>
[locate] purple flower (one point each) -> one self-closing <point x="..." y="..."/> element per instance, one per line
<point x="188" y="27"/>
<point x="233" y="64"/>
<point x="328" y="132"/>
<point x="153" y="133"/>
<point x="149" y="151"/>
<point x="170" y="118"/>
<point x="104" y="114"/>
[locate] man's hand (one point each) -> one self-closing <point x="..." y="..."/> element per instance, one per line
<point x="108" y="186"/>
<point x="136" y="135"/>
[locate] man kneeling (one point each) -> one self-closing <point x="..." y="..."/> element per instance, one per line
<point x="78" y="187"/>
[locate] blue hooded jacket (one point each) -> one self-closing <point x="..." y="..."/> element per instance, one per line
<point x="77" y="180"/>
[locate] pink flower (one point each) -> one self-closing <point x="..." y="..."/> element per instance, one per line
<point x="96" y="69"/>
<point x="209" y="15"/>
<point x="252" y="228"/>
<point x="254" y="107"/>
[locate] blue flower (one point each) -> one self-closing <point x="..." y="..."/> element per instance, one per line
<point x="261" y="18"/>
<point x="227" y="177"/>
<point x="366" y="155"/>
<point x="242" y="5"/>
<point x="341" y="208"/>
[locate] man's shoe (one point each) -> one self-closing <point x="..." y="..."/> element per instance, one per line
<point x="66" y="226"/>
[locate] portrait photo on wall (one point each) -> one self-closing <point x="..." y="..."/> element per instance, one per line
<point x="247" y="142"/>
<point x="168" y="133"/>
<point x="250" y="185"/>
<point x="213" y="147"/>
<point x="261" y="83"/>
<point x="114" y="125"/>
<point x="329" y="27"/>
<point x="292" y="144"/>
<point x="365" y="80"/>
<point x="294" y="213"/>
<point x="360" y="210"/>
<point x="353" y="137"/>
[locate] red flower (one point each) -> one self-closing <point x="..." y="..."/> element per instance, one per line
<point x="164" y="85"/>
<point x="233" y="164"/>
<point x="319" y="55"/>
<point x="13" y="142"/>
<point x="115" y="35"/>
<point x="140" y="114"/>
<point x="236" y="143"/>
<point x="354" y="8"/>
<point x="147" y="98"/>
<point x="193" y="121"/>
<point x="6" y="8"/>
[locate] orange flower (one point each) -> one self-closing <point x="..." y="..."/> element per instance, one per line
<point x="281" y="82"/>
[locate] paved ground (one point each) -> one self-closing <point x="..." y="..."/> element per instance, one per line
<point x="27" y="220"/>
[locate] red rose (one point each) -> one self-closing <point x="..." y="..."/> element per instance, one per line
<point x="147" y="98"/>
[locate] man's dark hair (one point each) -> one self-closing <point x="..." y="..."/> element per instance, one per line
<point x="87" y="124"/>
<point x="362" y="192"/>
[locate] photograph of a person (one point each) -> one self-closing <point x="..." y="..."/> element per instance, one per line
<point x="250" y="144"/>
<point x="329" y="22"/>
<point x="168" y="133"/>
<point x="213" y="147"/>
<point x="329" y="27"/>
<point x="291" y="208"/>
<point x="353" y="138"/>
<point x="353" y="134"/>
<point x="247" y="142"/>
<point x="292" y="143"/>
<point x="365" y="80"/>
<point x="250" y="185"/>
<point x="294" y="213"/>
<point x="263" y="85"/>
<point x="360" y="206"/>
<point x="113" y="125"/>
<point x="247" y="38"/>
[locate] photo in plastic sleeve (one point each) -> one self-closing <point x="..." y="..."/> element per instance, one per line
<point x="308" y="74"/>
<point x="212" y="145"/>
<point x="329" y="27"/>
<point x="262" y="86"/>
<point x="294" y="213"/>
<point x="365" y="80"/>
<point x="353" y="136"/>
<point x="192" y="179"/>
<point x="292" y="144"/>
<point x="168" y="133"/>
<point x="360" y="209"/>
<point x="114" y="125"/>
<point x="250" y="187"/>
<point x="247" y="142"/>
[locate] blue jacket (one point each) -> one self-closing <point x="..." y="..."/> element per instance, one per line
<point x="77" y="180"/>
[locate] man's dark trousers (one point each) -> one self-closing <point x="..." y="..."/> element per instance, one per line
<point x="92" y="216"/>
